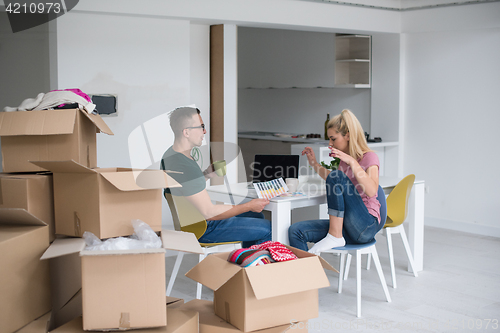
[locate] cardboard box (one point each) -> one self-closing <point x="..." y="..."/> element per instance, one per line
<point x="66" y="289"/>
<point x="49" y="135"/>
<point x="178" y="322"/>
<point x="174" y="302"/>
<point x="24" y="280"/>
<point x="33" y="193"/>
<point x="105" y="201"/>
<point x="40" y="325"/>
<point x="211" y="323"/>
<point x="122" y="289"/>
<point x="265" y="296"/>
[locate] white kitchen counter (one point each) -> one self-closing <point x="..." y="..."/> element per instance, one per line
<point x="268" y="143"/>
<point x="269" y="136"/>
<point x="321" y="142"/>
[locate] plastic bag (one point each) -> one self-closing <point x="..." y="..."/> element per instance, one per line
<point x="143" y="238"/>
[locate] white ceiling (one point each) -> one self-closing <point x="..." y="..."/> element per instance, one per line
<point x="405" y="4"/>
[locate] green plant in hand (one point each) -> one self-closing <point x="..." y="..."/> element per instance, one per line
<point x="334" y="164"/>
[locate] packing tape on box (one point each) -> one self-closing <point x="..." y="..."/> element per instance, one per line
<point x="125" y="320"/>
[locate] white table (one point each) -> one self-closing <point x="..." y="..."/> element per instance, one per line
<point x="315" y="195"/>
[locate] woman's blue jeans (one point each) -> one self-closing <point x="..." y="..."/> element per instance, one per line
<point x="250" y="228"/>
<point x="343" y="200"/>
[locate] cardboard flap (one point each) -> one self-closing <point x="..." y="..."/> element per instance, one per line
<point x="204" y="272"/>
<point x="140" y="180"/>
<point x="305" y="254"/>
<point x="41" y="122"/>
<point x="63" y="166"/>
<point x="180" y="241"/>
<point x="153" y="179"/>
<point x="19" y="216"/>
<point x="64" y="246"/>
<point x="98" y="122"/>
<point x="86" y="253"/>
<point x="286" y="277"/>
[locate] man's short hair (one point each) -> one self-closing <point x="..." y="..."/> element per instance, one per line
<point x="180" y="119"/>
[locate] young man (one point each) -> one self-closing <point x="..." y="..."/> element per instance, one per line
<point x="225" y="223"/>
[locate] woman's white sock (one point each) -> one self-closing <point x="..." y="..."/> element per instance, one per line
<point x="327" y="243"/>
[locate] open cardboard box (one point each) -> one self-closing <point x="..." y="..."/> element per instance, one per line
<point x="32" y="192"/>
<point x="49" y="135"/>
<point x="210" y="323"/>
<point x="103" y="201"/>
<point x="123" y="289"/>
<point x="259" y="297"/>
<point x="179" y="321"/>
<point x="24" y="280"/>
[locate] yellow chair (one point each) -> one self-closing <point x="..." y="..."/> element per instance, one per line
<point x="397" y="211"/>
<point x="188" y="219"/>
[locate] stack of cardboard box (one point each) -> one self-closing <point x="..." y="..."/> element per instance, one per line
<point x="51" y="188"/>
<point x="52" y="192"/>
<point x="27" y="219"/>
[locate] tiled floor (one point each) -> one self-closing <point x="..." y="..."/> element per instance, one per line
<point x="458" y="290"/>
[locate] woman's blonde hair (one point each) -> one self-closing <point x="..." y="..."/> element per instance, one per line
<point x="346" y="122"/>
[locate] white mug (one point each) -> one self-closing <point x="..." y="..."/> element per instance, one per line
<point x="292" y="184"/>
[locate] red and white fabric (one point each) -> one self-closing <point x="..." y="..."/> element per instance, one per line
<point x="278" y="251"/>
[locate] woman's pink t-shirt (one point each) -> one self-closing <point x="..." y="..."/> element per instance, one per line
<point x="368" y="159"/>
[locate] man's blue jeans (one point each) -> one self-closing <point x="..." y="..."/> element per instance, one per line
<point x="343" y="201"/>
<point x="250" y="228"/>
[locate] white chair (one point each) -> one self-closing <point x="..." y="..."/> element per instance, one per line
<point x="358" y="250"/>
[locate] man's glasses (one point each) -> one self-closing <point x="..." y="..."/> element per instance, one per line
<point x="202" y="126"/>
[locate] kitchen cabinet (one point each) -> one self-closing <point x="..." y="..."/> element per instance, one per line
<point x="276" y="58"/>
<point x="352" y="61"/>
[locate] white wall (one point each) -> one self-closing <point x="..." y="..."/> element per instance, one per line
<point x="144" y="61"/>
<point x="452" y="113"/>
<point x="152" y="64"/>
<point x="385" y="86"/>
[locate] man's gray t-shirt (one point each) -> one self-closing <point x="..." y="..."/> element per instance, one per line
<point x="192" y="178"/>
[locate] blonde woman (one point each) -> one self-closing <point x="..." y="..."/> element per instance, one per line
<point x="353" y="208"/>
